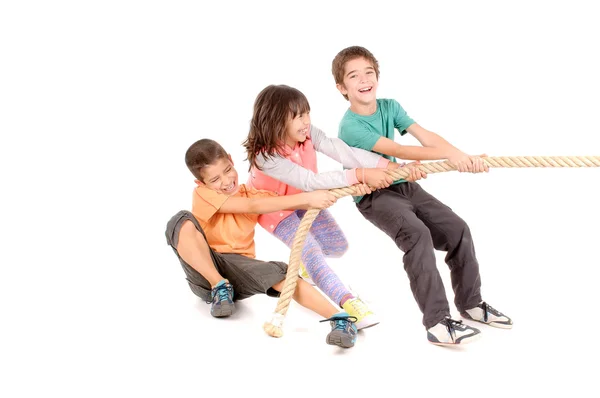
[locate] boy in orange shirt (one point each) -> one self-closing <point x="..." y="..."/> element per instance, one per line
<point x="215" y="241"/>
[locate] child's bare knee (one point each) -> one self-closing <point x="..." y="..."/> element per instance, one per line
<point x="278" y="286"/>
<point x="189" y="234"/>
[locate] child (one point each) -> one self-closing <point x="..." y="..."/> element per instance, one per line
<point x="215" y="242"/>
<point x="418" y="222"/>
<point x="281" y="149"/>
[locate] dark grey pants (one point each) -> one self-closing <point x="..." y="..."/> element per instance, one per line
<point x="247" y="275"/>
<point x="419" y="223"/>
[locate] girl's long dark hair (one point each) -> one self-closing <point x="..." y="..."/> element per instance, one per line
<point x="272" y="107"/>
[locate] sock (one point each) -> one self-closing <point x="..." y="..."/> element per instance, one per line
<point x="346" y="298"/>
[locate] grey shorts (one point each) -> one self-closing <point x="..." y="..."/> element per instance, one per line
<point x="247" y="275"/>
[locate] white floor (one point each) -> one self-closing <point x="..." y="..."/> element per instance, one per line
<point x="100" y="101"/>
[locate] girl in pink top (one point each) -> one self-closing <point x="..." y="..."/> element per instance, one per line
<point x="281" y="148"/>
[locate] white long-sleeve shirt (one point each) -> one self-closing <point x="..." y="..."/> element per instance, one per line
<point x="288" y="172"/>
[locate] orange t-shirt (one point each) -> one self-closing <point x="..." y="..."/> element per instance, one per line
<point x="226" y="232"/>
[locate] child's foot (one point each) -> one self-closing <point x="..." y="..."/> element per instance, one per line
<point x="343" y="330"/>
<point x="221" y="300"/>
<point x="451" y="332"/>
<point x="358" y="309"/>
<point x="485" y="313"/>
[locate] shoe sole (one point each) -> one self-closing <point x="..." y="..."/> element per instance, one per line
<point x="493" y="324"/>
<point x="339" y="340"/>
<point x="224" y="311"/>
<point x="462" y="342"/>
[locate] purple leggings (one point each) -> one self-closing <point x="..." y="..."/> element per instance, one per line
<point x="324" y="239"/>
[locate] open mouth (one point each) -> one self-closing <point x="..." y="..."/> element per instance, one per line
<point x="365" y="90"/>
<point x="303" y="132"/>
<point x="229" y="188"/>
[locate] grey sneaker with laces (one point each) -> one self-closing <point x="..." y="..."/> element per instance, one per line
<point x="451" y="332"/>
<point x="221" y="300"/>
<point x="487" y="314"/>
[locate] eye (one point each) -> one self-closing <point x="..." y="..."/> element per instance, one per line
<point x="370" y="72"/>
<point x="352" y="76"/>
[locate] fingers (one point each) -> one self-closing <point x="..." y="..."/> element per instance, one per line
<point x="479" y="165"/>
<point x="366" y="189"/>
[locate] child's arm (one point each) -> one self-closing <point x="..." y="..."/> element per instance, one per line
<point x="304" y="179"/>
<point x="434" y="148"/>
<point x="263" y="205"/>
<point x="343" y="153"/>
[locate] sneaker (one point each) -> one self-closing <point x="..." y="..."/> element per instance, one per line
<point x="221" y="300"/>
<point x="303" y="273"/>
<point x="451" y="332"/>
<point x="485" y="313"/>
<point x="343" y="330"/>
<point x="358" y="309"/>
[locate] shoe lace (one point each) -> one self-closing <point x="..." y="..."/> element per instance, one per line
<point x="451" y="326"/>
<point x="358" y="306"/>
<point x="488" y="308"/>
<point x="221" y="292"/>
<point x="341" y="322"/>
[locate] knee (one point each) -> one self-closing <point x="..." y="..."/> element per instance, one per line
<point x="461" y="234"/>
<point x="338" y="250"/>
<point x="189" y="235"/>
<point x="414" y="237"/>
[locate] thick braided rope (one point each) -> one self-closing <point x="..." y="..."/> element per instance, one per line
<point x="274" y="327"/>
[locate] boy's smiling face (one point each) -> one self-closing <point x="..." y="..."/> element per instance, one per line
<point x="360" y="82"/>
<point x="221" y="176"/>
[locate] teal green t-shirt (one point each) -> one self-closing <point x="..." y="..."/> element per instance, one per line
<point x="364" y="131"/>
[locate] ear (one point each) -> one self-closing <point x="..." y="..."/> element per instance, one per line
<point x="199" y="183"/>
<point x="341" y="88"/>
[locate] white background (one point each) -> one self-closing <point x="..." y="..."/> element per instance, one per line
<point x="100" y="100"/>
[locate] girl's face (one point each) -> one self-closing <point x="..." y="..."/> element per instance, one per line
<point x="297" y="129"/>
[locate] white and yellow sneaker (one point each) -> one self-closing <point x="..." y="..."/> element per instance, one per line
<point x="303" y="273"/>
<point x="364" y="317"/>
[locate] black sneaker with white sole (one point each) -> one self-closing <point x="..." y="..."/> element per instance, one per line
<point x="451" y="332"/>
<point x="487" y="314"/>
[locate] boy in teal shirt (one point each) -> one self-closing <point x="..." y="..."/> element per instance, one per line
<point x="416" y="221"/>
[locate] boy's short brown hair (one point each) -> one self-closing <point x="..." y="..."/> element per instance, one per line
<point x="203" y="153"/>
<point x="348" y="54"/>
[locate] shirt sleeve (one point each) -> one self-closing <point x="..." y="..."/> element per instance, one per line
<point x="299" y="177"/>
<point x="338" y="150"/>
<point x="206" y="203"/>
<point x="401" y="119"/>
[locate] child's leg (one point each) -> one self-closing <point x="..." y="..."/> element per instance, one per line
<point x="343" y="330"/>
<point x="308" y="297"/>
<point x="391" y="211"/>
<point x="451" y="234"/>
<point x="194" y="250"/>
<point x="313" y="259"/>
<point x="328" y="234"/>
<point x="202" y="266"/>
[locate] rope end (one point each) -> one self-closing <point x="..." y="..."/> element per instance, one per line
<point x="274" y="326"/>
